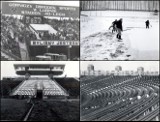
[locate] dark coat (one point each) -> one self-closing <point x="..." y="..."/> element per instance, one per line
<point x="114" y="23"/>
<point x="147" y="22"/>
<point x="119" y="25"/>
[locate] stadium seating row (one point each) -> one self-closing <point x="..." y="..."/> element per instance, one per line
<point x="119" y="98"/>
<point x="30" y="86"/>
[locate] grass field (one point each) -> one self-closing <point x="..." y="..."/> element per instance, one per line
<point x="55" y="111"/>
<point x="12" y="109"/>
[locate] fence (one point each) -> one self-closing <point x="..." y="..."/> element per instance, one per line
<point x="144" y="5"/>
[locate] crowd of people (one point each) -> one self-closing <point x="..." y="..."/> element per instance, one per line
<point x="8" y="38"/>
<point x="66" y="29"/>
<point x="14" y="31"/>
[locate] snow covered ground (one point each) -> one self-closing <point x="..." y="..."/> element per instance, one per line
<point x="139" y="43"/>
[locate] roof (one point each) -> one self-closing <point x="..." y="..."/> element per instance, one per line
<point x="44" y="57"/>
<point x="43" y="27"/>
<point x="38" y="65"/>
<point x="52" y="54"/>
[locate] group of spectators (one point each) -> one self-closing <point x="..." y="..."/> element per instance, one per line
<point x="66" y="29"/>
<point x="8" y="38"/>
<point x="15" y="31"/>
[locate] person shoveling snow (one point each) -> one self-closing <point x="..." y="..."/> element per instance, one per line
<point x="119" y="28"/>
<point x="113" y="26"/>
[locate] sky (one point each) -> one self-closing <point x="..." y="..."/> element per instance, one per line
<point x="71" y="67"/>
<point x="126" y="65"/>
<point x="63" y="3"/>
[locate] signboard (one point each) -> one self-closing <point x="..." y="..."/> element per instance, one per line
<point x="33" y="19"/>
<point x="53" y="43"/>
<point x="39" y="10"/>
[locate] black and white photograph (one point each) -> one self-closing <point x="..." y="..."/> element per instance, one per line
<point x="39" y="91"/>
<point x="119" y="30"/>
<point x="40" y="30"/>
<point x="79" y="60"/>
<point x="119" y="91"/>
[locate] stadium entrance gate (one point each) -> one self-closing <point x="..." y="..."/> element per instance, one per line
<point x="39" y="94"/>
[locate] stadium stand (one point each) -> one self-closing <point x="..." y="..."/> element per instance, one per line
<point x="10" y="85"/>
<point x="31" y="109"/>
<point x="31" y="85"/>
<point x="120" y="98"/>
<point x="71" y="85"/>
<point x="14" y="31"/>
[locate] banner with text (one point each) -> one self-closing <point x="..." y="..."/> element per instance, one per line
<point x="53" y="43"/>
<point x="39" y="10"/>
